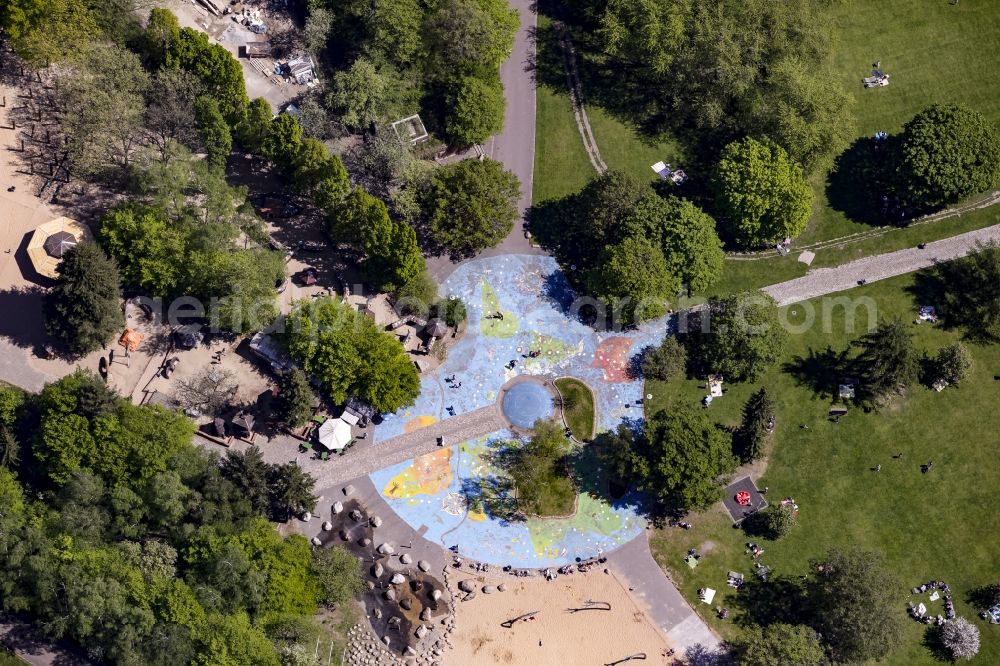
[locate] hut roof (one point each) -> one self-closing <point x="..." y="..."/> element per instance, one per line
<point x="63" y="233"/>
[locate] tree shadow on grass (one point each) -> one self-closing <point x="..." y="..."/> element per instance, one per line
<point x="819" y="371"/>
<point x="983" y="597"/>
<point x="492" y="495"/>
<point x="933" y="640"/>
<point x="778" y="600"/>
<point x="858" y="181"/>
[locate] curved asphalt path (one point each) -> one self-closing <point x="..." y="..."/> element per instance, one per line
<point x="514" y="147"/>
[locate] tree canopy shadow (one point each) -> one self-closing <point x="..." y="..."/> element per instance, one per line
<point x="27" y="329"/>
<point x="779" y="600"/>
<point x="859" y="180"/>
<point x="933" y="640"/>
<point x="820" y="371"/>
<point x="983" y="597"/>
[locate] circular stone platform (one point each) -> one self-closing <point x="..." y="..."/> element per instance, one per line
<point x="525" y="402"/>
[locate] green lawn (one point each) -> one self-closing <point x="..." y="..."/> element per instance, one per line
<point x="933" y="51"/>
<point x="561" y="163"/>
<point x="579" y="407"/>
<point x="625" y="150"/>
<point x="941" y="525"/>
<point x="8" y="659"/>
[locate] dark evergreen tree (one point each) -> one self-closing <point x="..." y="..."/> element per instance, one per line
<point x="295" y="397"/>
<point x="889" y="361"/>
<point x="757" y="423"/>
<point x="83" y="311"/>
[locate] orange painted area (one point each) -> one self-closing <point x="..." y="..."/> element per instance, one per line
<point x="428" y="475"/>
<point x="612" y="356"/>
<point x="418" y="423"/>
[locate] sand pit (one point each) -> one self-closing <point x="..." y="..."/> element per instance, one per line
<point x="585" y="637"/>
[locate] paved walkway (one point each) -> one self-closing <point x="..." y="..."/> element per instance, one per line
<point x="362" y="461"/>
<point x="515" y="145"/>
<point x="822" y="281"/>
<point x="662" y="602"/>
<point x="411" y="445"/>
<point x="24" y="640"/>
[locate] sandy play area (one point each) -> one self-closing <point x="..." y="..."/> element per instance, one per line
<point x="556" y="635"/>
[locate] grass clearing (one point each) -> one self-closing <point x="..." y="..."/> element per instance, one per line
<point x="623" y="149"/>
<point x="928" y="526"/>
<point x="933" y="52"/>
<point x="8" y="659"/>
<point x="578" y="407"/>
<point x="561" y="163"/>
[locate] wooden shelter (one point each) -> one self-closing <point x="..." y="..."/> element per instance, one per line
<point x="52" y="240"/>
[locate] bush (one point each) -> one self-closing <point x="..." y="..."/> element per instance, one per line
<point x="664" y="361"/>
<point x="452" y="310"/>
<point x="952" y="363"/>
<point x="778" y="520"/>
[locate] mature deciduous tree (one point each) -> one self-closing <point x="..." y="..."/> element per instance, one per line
<point x="213" y="130"/>
<point x="351" y="355"/>
<point x="777" y="645"/>
<point x="476" y="109"/>
<point x="745" y="337"/>
<point x="48" y="30"/>
<point x="948" y="152"/>
<point x="665" y="360"/>
<point x="339" y="575"/>
<point x="684" y="233"/>
<point x="632" y="278"/>
<point x="104" y="102"/>
<point x="360" y="94"/>
<point x="762" y="195"/>
<point x="469" y="34"/>
<point x="681" y="457"/>
<point x="855" y="598"/>
<point x="961" y="637"/>
<point x="470" y="205"/>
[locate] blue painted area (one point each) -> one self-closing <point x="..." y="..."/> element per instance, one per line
<point x="535" y="290"/>
<point x="532" y="289"/>
<point x="535" y="543"/>
<point x="527" y="402"/>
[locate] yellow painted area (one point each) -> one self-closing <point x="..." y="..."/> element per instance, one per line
<point x="418" y="423"/>
<point x="428" y="475"/>
<point x="496" y="328"/>
<point x="478" y="516"/>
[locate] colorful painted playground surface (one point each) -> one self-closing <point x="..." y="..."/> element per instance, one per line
<point x="454" y="493"/>
<point x="534" y="300"/>
<point x="517" y="305"/>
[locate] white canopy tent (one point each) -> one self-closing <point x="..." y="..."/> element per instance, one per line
<point x="335" y="434"/>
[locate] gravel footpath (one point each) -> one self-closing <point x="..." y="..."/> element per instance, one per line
<point x="822" y="281"/>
